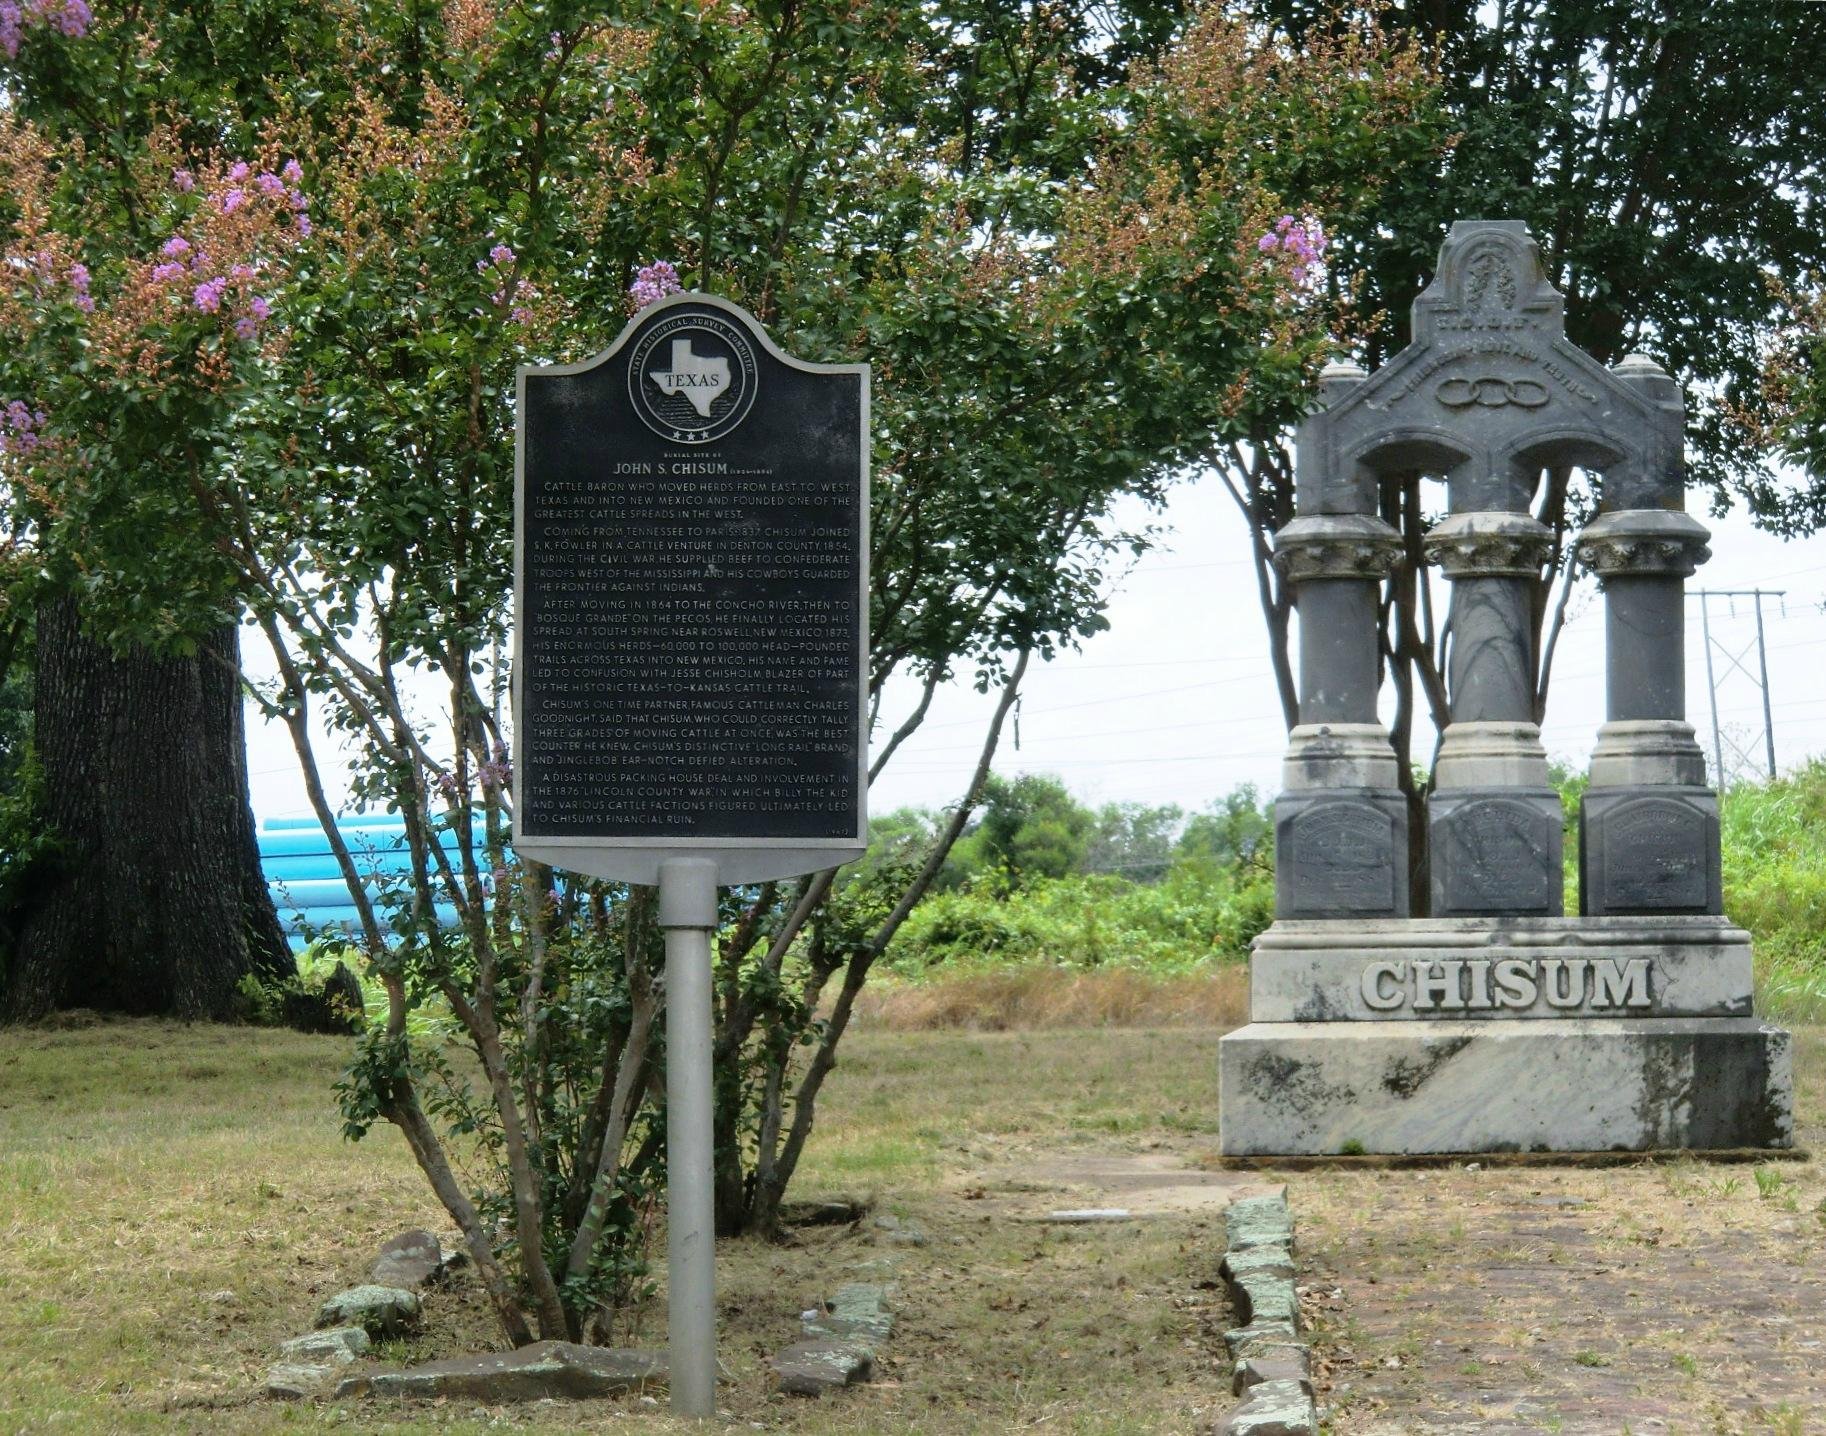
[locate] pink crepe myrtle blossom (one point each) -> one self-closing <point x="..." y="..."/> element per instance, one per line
<point x="291" y="172"/>
<point x="183" y="181"/>
<point x="260" y="308"/>
<point x="167" y="272"/>
<point x="1300" y="242"/>
<point x="70" y="18"/>
<point x="304" y="226"/>
<point x="245" y="328"/>
<point x="208" y="295"/>
<point x="19" y="427"/>
<point x="237" y="172"/>
<point x="233" y="200"/>
<point x="175" y="248"/>
<point x="652" y="283"/>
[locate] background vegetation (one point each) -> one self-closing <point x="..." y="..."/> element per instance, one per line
<point x="1045" y="881"/>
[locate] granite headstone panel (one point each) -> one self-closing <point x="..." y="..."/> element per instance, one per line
<point x="1341" y="854"/>
<point x="1648" y="851"/>
<point x="1495" y="852"/>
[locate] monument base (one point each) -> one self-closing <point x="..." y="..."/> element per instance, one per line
<point x="1549" y="1085"/>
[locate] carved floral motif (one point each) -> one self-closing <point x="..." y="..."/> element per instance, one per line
<point x="1484" y="554"/>
<point x="1355" y="555"/>
<point x="1665" y="554"/>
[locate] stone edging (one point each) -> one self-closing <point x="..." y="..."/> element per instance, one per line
<point x="841" y="1337"/>
<point x="1272" y="1369"/>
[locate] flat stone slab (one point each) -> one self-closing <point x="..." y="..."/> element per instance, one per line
<point x="1253" y="1222"/>
<point x="560" y="1370"/>
<point x="811" y="1368"/>
<point x="1472" y="969"/>
<point x="1273" y="1408"/>
<point x="1088" y="1216"/>
<point x="378" y="1310"/>
<point x="858" y="1314"/>
<point x="1579" y="1085"/>
<point x="336" y="1347"/>
<point x="1144" y="1184"/>
<point x="410" y="1260"/>
<point x="298" y="1380"/>
<point x="1283" y="1364"/>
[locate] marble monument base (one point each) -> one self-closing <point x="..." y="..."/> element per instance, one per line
<point x="1510" y="1034"/>
<point x="1554" y="1085"/>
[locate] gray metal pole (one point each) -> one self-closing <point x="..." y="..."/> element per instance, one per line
<point x="1718" y="746"/>
<point x="1762" y="660"/>
<point x="687" y="912"/>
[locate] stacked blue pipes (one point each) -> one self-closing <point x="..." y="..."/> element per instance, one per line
<point x="307" y="885"/>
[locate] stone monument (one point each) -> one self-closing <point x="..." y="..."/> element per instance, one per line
<point x="1496" y="1023"/>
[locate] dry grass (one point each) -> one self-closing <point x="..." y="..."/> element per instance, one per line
<point x="1040" y="998"/>
<point x="146" y="1167"/>
<point x="149" y="1166"/>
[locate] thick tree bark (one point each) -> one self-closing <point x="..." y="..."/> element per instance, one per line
<point x="155" y="903"/>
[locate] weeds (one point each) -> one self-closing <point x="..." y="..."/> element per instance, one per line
<point x="1769" y="1182"/>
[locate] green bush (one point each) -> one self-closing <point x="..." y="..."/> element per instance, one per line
<point x="1199" y="913"/>
<point x="1774" y="840"/>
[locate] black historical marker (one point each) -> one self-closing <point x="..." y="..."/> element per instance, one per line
<point x="691" y="602"/>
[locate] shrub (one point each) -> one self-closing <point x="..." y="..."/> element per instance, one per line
<point x="1201" y="912"/>
<point x="1774" y="840"/>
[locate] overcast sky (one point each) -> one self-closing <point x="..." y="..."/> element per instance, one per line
<point x="1176" y="703"/>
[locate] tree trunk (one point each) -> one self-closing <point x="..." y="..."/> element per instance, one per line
<point x="155" y="903"/>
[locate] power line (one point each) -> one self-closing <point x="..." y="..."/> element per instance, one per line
<point x="1716" y="646"/>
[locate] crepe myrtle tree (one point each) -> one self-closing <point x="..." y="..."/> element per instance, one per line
<point x="1790" y="419"/>
<point x="142" y="242"/>
<point x="1064" y="310"/>
<point x="1065" y="294"/>
<point x="1054" y="325"/>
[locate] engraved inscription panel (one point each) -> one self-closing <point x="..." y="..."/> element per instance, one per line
<point x="1655" y="856"/>
<point x="1343" y="857"/>
<point x="1492" y="858"/>
<point x="690" y="620"/>
<point x="1457" y="987"/>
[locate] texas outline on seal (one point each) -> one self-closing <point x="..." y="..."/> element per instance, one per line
<point x="692" y="378"/>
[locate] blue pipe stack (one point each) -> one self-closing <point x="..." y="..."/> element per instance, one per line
<point x="307" y="885"/>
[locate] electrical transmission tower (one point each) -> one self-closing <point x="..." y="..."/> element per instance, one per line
<point x="1737" y="659"/>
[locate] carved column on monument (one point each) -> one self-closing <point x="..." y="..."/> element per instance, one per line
<point x="1341" y="827"/>
<point x="1494" y="819"/>
<point x="1648" y="840"/>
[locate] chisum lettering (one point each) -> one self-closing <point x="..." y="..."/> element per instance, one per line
<point x="1469" y="984"/>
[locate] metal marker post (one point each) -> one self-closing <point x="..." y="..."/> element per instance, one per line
<point x="687" y="913"/>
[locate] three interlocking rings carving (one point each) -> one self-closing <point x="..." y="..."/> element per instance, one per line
<point x="1491" y="393"/>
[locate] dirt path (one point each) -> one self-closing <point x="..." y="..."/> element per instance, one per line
<point x="1162" y="1180"/>
<point x="1679" y="1298"/>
